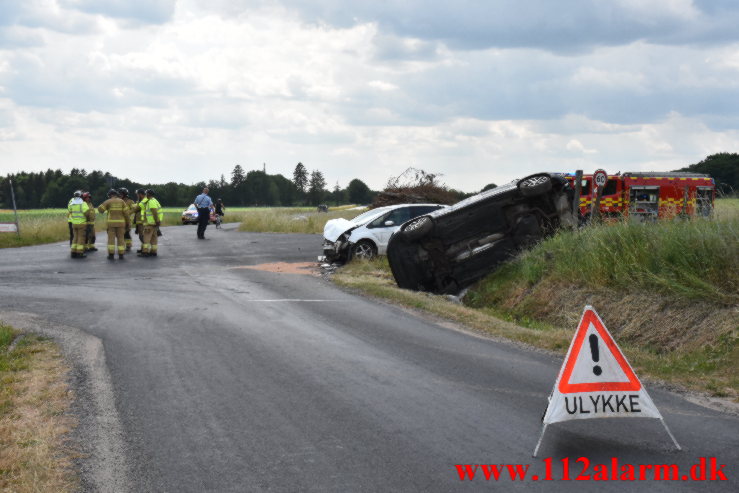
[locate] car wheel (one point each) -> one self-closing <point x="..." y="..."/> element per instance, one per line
<point x="417" y="228"/>
<point x="535" y="185"/>
<point x="364" y="249"/>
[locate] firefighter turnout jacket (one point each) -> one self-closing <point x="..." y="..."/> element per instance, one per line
<point x="118" y="213"/>
<point x="151" y="212"/>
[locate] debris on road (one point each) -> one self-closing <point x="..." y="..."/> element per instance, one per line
<point x="305" y="268"/>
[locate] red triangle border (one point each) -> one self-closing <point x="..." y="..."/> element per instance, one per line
<point x="565" y="387"/>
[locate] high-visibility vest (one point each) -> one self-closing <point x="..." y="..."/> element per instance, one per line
<point x="140" y="212"/>
<point x="147" y="213"/>
<point x="77" y="213"/>
<point x="69" y="213"/>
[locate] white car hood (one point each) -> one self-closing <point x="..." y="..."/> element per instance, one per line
<point x="336" y="227"/>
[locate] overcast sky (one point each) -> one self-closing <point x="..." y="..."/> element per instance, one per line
<point x="479" y="91"/>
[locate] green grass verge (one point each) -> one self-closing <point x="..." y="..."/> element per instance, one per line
<point x="294" y="220"/>
<point x="694" y="260"/>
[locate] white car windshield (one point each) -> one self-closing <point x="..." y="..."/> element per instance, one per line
<point x="192" y="207"/>
<point x="366" y="216"/>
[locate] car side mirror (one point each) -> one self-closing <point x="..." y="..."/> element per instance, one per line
<point x="389" y="223"/>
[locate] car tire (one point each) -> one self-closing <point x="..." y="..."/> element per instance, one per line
<point x="535" y="185"/>
<point x="364" y="249"/>
<point x="417" y="228"/>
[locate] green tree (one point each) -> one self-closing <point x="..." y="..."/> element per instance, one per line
<point x="316" y="187"/>
<point x="723" y="168"/>
<point x="300" y="177"/>
<point x="359" y="192"/>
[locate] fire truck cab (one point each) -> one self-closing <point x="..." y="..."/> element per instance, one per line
<point x="650" y="195"/>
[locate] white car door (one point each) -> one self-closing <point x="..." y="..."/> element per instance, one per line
<point x="384" y="226"/>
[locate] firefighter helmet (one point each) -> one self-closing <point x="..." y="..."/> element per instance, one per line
<point x="86" y="195"/>
<point x="77" y="193"/>
<point x="112" y="192"/>
<point x="149" y="191"/>
<point x="140" y="191"/>
<point x="123" y="191"/>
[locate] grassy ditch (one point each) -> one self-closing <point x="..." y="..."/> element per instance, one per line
<point x="294" y="220"/>
<point x="667" y="291"/>
<point x="34" y="419"/>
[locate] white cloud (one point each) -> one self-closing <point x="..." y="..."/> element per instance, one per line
<point x="163" y="90"/>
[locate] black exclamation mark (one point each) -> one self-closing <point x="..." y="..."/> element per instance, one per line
<point x="594" y="351"/>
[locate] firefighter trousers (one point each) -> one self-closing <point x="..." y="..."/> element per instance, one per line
<point x="116" y="233"/>
<point x="90" y="236"/>
<point x="151" y="240"/>
<point x="127" y="239"/>
<point x="78" y="238"/>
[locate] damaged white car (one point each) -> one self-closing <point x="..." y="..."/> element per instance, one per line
<point x="367" y="235"/>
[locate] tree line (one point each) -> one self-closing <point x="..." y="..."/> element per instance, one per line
<point x="53" y="188"/>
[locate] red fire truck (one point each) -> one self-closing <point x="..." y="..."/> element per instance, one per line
<point x="649" y="195"/>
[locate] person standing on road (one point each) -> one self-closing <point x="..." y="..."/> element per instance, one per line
<point x="137" y="210"/>
<point x="79" y="213"/>
<point x="220" y="208"/>
<point x="203" y="203"/>
<point x="69" y="215"/>
<point x="90" y="229"/>
<point x="129" y="203"/>
<point x="118" y="221"/>
<point x="151" y="218"/>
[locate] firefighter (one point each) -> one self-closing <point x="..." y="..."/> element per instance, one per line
<point x="151" y="219"/>
<point x="123" y="192"/>
<point x="137" y="209"/>
<point x="90" y="229"/>
<point x="118" y="220"/>
<point x="69" y="215"/>
<point x="78" y="213"/>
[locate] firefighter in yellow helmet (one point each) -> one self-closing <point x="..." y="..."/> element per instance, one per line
<point x="79" y="213"/>
<point x="151" y="218"/>
<point x="118" y="220"/>
<point x="90" y="229"/>
<point x="123" y="192"/>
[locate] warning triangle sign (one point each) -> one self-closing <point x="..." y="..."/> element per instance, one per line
<point x="595" y="380"/>
<point x="595" y="363"/>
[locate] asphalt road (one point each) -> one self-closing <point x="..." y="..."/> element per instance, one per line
<point x="233" y="379"/>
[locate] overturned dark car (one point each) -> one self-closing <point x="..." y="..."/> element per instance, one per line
<point x="449" y="249"/>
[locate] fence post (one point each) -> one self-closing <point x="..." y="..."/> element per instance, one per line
<point x="15" y="210"/>
<point x="578" y="191"/>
